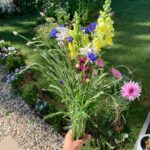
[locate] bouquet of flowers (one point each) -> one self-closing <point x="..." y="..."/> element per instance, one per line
<point x="77" y="74"/>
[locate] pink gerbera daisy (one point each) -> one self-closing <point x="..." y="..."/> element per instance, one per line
<point x="116" y="73"/>
<point x="131" y="91"/>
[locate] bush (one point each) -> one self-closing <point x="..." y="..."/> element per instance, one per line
<point x="29" y="93"/>
<point x="15" y="61"/>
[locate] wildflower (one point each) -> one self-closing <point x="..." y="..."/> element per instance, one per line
<point x="82" y="60"/>
<point x="70" y="39"/>
<point x="62" y="33"/>
<point x="85" y="50"/>
<point x="42" y="14"/>
<point x="77" y="66"/>
<point x="100" y="63"/>
<point x="15" y="33"/>
<point x="116" y="73"/>
<point x="2" y="41"/>
<point x="81" y="67"/>
<point x="53" y="33"/>
<point x="61" y="82"/>
<point x="11" y="48"/>
<point x="85" y="77"/>
<point x="92" y="57"/>
<point x="17" y="70"/>
<point x="131" y="91"/>
<point x="92" y="27"/>
<point x="85" y="30"/>
<point x="84" y="68"/>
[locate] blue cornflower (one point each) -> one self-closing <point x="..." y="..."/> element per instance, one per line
<point x="85" y="30"/>
<point x="61" y="82"/>
<point x="53" y="33"/>
<point x="92" y="27"/>
<point x="70" y="39"/>
<point x="92" y="57"/>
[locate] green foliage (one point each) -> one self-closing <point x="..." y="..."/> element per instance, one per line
<point x="16" y="83"/>
<point x="5" y="44"/>
<point x="29" y="93"/>
<point x="15" y="61"/>
<point x="62" y="16"/>
<point x="86" y="8"/>
<point x="28" y="6"/>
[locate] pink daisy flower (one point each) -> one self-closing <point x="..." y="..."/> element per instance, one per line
<point x="100" y="63"/>
<point x="131" y="91"/>
<point x="116" y="73"/>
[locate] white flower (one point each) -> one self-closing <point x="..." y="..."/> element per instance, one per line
<point x="2" y="41"/>
<point x="42" y="14"/>
<point x="15" y="32"/>
<point x="11" y="48"/>
<point x="62" y="33"/>
<point x="85" y="50"/>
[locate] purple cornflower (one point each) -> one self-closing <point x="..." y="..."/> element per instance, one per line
<point x="70" y="39"/>
<point x="92" y="57"/>
<point x="53" y="33"/>
<point x="92" y="27"/>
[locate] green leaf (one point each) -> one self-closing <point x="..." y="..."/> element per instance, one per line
<point x="52" y="115"/>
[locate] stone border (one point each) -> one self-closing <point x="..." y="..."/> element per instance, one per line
<point x="143" y="131"/>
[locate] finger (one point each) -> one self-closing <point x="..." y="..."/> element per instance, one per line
<point x="85" y="139"/>
<point x="69" y="135"/>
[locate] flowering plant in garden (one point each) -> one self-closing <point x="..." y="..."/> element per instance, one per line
<point x="77" y="74"/>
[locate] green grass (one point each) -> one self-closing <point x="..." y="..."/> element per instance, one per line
<point x="132" y="48"/>
<point x="22" y="24"/>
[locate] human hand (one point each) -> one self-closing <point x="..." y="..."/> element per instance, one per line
<point x="70" y="144"/>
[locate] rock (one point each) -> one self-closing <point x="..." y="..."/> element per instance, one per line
<point x="15" y="120"/>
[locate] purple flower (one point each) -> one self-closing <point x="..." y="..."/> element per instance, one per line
<point x="92" y="27"/>
<point x="92" y="57"/>
<point x="70" y="39"/>
<point x="53" y="33"/>
<point x="85" y="30"/>
<point x="61" y="82"/>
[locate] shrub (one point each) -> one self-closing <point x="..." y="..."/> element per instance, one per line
<point x="29" y="93"/>
<point x="15" y="61"/>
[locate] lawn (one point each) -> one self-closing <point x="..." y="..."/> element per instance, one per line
<point x="22" y="24"/>
<point x="131" y="48"/>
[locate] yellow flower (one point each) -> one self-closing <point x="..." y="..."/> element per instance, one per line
<point x="73" y="53"/>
